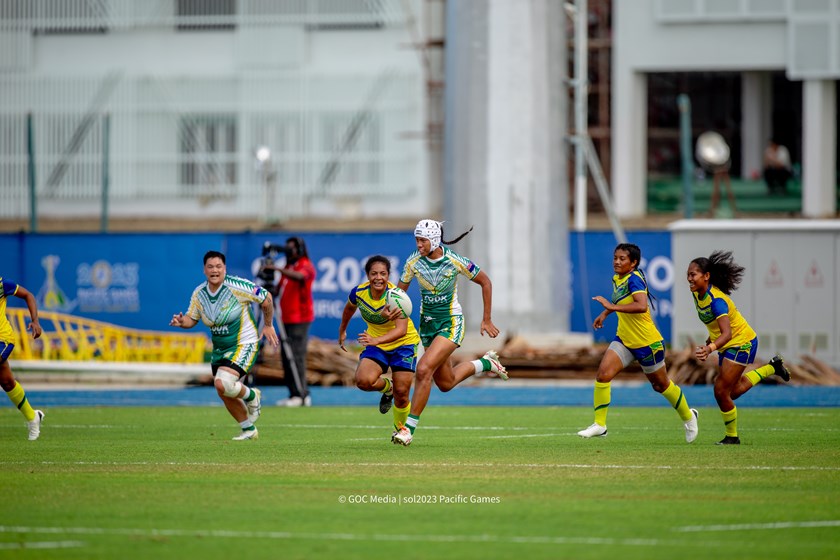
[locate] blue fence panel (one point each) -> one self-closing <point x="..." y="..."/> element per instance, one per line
<point x="339" y="260"/>
<point x="140" y="280"/>
<point x="591" y="256"/>
<point x="133" y="280"/>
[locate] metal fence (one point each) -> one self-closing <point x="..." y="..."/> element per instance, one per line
<point x="193" y="138"/>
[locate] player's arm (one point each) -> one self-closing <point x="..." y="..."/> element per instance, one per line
<point x="639" y="304"/>
<point x="720" y="342"/>
<point x="346" y="315"/>
<point x="32" y="305"/>
<point x="183" y="321"/>
<point x="267" y="308"/>
<point x="399" y="330"/>
<point x="487" y="325"/>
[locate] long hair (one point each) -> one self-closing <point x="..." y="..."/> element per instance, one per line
<point x="456" y="240"/>
<point x="724" y="273"/>
<point x="635" y="254"/>
<point x="300" y="246"/>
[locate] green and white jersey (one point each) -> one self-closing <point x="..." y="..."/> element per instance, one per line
<point x="228" y="311"/>
<point x="438" y="281"/>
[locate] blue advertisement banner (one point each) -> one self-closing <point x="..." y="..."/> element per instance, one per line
<point x="591" y="255"/>
<point x="140" y="280"/>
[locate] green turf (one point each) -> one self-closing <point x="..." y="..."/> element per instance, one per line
<point x="169" y="483"/>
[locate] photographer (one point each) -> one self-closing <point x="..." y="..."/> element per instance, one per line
<point x="296" y="315"/>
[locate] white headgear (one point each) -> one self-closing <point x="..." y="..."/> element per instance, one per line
<point x="431" y="230"/>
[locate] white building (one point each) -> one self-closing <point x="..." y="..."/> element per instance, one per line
<point x="191" y="88"/>
<point x="754" y="37"/>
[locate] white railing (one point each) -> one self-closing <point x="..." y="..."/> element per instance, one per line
<point x="105" y="14"/>
<point x="191" y="138"/>
<point x="164" y="148"/>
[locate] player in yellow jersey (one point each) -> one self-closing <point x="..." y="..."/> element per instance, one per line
<point x="388" y="343"/>
<point x="637" y="339"/>
<point x="223" y="303"/>
<point x="711" y="280"/>
<point x="12" y="388"/>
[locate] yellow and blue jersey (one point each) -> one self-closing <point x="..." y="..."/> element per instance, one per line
<point x="369" y="307"/>
<point x="7" y="288"/>
<point x="713" y="304"/>
<point x="634" y="329"/>
<point x="439" y="281"/>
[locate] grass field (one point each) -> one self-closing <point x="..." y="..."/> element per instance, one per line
<point x="476" y="483"/>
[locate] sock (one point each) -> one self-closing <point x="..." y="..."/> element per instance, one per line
<point x="388" y="386"/>
<point x="758" y="375"/>
<point x="601" y="401"/>
<point x="18" y="398"/>
<point x="730" y="420"/>
<point x="247" y="426"/>
<point x="401" y="415"/>
<point x="675" y="396"/>
<point x="481" y="365"/>
<point x="250" y="396"/>
<point x="411" y="422"/>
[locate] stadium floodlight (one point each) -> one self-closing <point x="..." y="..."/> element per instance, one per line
<point x="263" y="154"/>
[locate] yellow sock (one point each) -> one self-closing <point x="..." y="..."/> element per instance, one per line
<point x="387" y="386"/>
<point x="601" y="402"/>
<point x="401" y="415"/>
<point x="758" y="375"/>
<point x="675" y="396"/>
<point x="730" y="420"/>
<point x="18" y="398"/>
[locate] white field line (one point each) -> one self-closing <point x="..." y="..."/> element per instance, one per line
<point x="758" y="526"/>
<point x="435" y="465"/>
<point x="387" y="537"/>
<point x="40" y="545"/>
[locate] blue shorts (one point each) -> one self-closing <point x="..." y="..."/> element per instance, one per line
<point x="651" y="357"/>
<point x="5" y="351"/>
<point x="401" y="358"/>
<point x="744" y="354"/>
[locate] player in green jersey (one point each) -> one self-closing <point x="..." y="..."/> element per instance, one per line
<point x="223" y="303"/>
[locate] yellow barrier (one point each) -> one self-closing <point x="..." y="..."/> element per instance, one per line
<point x="66" y="337"/>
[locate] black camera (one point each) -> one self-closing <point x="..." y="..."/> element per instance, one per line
<point x="270" y="252"/>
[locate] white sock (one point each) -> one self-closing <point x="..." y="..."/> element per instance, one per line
<point x="479" y="367"/>
<point x="245" y="424"/>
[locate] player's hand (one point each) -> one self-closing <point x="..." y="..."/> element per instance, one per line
<point x="35" y="328"/>
<point x="271" y="335"/>
<point x="365" y="339"/>
<point x="342" y="336"/>
<point x="489" y="328"/>
<point x="598" y="322"/>
<point x="391" y="313"/>
<point x="701" y="353"/>
<point x="177" y="320"/>
<point x="602" y="300"/>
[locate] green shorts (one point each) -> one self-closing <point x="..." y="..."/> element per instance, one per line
<point x="451" y="328"/>
<point x="239" y="358"/>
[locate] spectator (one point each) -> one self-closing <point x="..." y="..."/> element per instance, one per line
<point x="296" y="316"/>
<point x="777" y="168"/>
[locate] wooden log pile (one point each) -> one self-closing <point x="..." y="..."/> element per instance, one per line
<point x="523" y="361"/>
<point x="326" y="364"/>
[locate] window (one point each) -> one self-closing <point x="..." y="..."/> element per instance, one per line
<point x="205" y="15"/>
<point x="208" y="150"/>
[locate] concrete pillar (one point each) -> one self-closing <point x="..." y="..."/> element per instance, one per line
<point x="629" y="141"/>
<point x="505" y="158"/>
<point x="819" y="164"/>
<point x="756" y="117"/>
